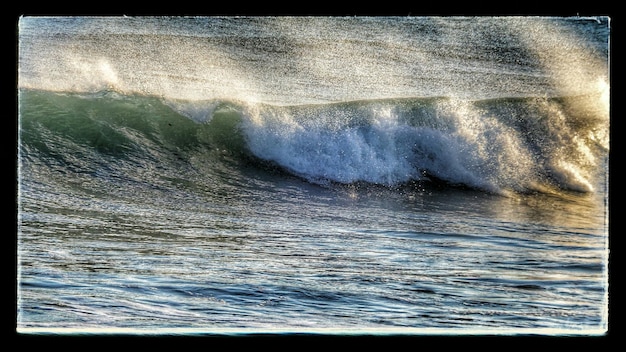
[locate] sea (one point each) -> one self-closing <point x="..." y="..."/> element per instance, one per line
<point x="313" y="175"/>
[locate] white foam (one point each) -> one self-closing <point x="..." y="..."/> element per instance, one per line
<point x="384" y="148"/>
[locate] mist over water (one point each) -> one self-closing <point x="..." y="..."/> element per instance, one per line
<point x="302" y="173"/>
<point x="285" y="60"/>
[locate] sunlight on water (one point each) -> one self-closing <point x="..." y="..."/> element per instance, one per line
<point x="605" y="101"/>
<point x="570" y="61"/>
<point x="317" y="175"/>
<point x="285" y="60"/>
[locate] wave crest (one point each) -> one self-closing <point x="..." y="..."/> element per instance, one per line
<point x="501" y="145"/>
<point x="506" y="144"/>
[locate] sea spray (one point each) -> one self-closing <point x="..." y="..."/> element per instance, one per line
<point x="169" y="172"/>
<point x="499" y="145"/>
<point x="292" y="61"/>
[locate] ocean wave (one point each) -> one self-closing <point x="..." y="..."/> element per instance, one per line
<point x="498" y="145"/>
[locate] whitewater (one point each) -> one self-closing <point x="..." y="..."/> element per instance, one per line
<point x="313" y="174"/>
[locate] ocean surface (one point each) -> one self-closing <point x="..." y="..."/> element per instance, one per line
<point x="403" y="175"/>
